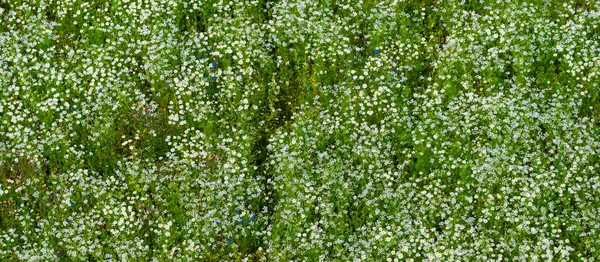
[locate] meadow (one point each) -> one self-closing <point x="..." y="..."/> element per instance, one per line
<point x="299" y="130"/>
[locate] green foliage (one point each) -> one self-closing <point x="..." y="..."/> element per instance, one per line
<point x="299" y="130"/>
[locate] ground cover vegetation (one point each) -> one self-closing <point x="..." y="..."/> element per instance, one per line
<point x="299" y="130"/>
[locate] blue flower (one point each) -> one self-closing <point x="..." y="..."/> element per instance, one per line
<point x="218" y="223"/>
<point x="72" y="203"/>
<point x="214" y="64"/>
<point x="240" y="222"/>
<point x="228" y="239"/>
<point x="237" y="211"/>
<point x="215" y="203"/>
<point x="254" y="218"/>
<point x="68" y="220"/>
<point x="376" y="51"/>
<point x="247" y="221"/>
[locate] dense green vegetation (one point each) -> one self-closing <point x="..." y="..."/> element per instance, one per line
<point x="295" y="130"/>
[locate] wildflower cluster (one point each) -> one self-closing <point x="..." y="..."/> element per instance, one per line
<point x="297" y="130"/>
